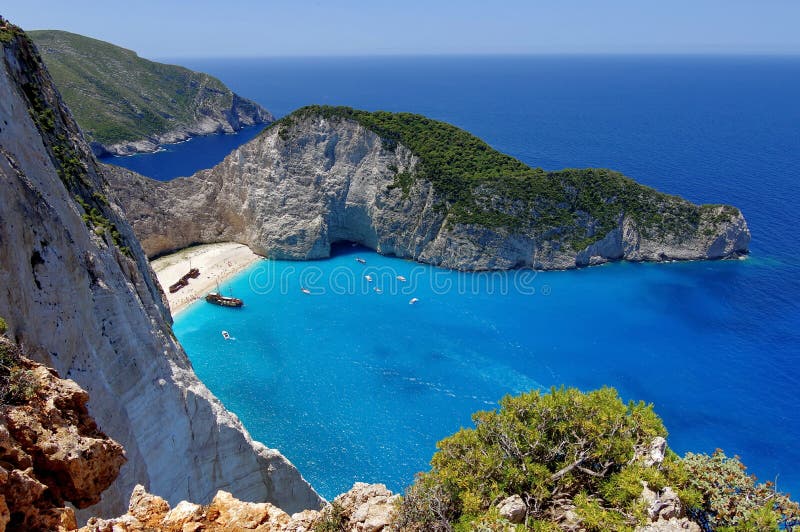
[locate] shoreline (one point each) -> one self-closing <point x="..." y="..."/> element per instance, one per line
<point x="216" y="262"/>
<point x="157" y="144"/>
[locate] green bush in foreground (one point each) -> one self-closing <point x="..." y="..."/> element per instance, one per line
<point x="577" y="456"/>
<point x="3" y="326"/>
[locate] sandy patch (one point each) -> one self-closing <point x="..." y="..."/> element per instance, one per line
<point x="216" y="263"/>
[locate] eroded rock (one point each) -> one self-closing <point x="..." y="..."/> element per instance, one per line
<point x="365" y="508"/>
<point x="51" y="452"/>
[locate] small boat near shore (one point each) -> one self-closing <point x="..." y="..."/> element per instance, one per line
<point x="305" y="291"/>
<point x="226" y="335"/>
<point x="360" y="260"/>
<point x="401" y="279"/>
<point x="224" y="301"/>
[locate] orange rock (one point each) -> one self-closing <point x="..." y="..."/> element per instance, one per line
<point x="52" y="452"/>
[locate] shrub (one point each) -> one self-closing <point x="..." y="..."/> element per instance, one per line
<point x="428" y="505"/>
<point x="731" y="499"/>
<point x="22" y="386"/>
<point x="17" y="384"/>
<point x="332" y="520"/>
<point x="547" y="448"/>
<point x="3" y="326"/>
<point x="9" y="358"/>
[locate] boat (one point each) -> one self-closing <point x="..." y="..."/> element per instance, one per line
<point x="368" y="278"/>
<point x="177" y="286"/>
<point x="378" y="290"/>
<point x="360" y="260"/>
<point x="216" y="298"/>
<point x="413" y="301"/>
<point x="401" y="278"/>
<point x="226" y="335"/>
<point x="305" y="290"/>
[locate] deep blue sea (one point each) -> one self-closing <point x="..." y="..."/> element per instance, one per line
<point x="355" y="385"/>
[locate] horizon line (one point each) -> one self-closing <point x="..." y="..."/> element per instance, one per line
<point x="466" y="55"/>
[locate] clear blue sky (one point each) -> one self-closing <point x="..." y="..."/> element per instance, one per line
<point x="202" y="28"/>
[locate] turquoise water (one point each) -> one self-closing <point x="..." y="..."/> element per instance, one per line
<point x="352" y="385"/>
<point x="359" y="386"/>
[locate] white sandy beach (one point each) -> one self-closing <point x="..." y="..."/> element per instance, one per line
<point x="216" y="263"/>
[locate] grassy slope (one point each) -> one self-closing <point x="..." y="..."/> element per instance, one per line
<point x="482" y="186"/>
<point x="117" y="96"/>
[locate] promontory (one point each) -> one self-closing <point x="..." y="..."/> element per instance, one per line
<point x="126" y="104"/>
<point x="413" y="187"/>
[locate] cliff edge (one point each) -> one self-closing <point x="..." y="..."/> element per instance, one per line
<point x="79" y="295"/>
<point x="416" y="188"/>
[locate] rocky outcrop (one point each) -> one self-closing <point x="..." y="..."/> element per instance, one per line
<point x="51" y="451"/>
<point x="77" y="292"/>
<point x="365" y="508"/>
<point x="666" y="512"/>
<point x="126" y="104"/>
<point x="298" y="188"/>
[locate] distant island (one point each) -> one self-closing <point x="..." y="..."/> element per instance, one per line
<point x="125" y="104"/>
<point x="413" y="187"/>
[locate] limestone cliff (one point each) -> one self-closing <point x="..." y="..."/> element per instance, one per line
<point x="322" y="176"/>
<point x="78" y="293"/>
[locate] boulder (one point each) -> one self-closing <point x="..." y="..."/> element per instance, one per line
<point x="513" y="508"/>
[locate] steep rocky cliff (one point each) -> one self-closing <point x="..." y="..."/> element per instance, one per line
<point x="408" y="186"/>
<point x="77" y="292"/>
<point x="126" y="104"/>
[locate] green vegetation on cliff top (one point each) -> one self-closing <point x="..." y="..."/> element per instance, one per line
<point x="116" y="96"/>
<point x="479" y="185"/>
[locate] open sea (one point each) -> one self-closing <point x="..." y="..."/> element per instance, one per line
<point x="354" y="385"/>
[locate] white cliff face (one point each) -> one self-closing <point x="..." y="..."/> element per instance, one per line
<point x="78" y="303"/>
<point x="290" y="195"/>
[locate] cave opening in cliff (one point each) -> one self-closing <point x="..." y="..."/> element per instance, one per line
<point x="348" y="247"/>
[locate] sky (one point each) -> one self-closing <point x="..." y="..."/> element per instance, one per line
<point x="253" y="28"/>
